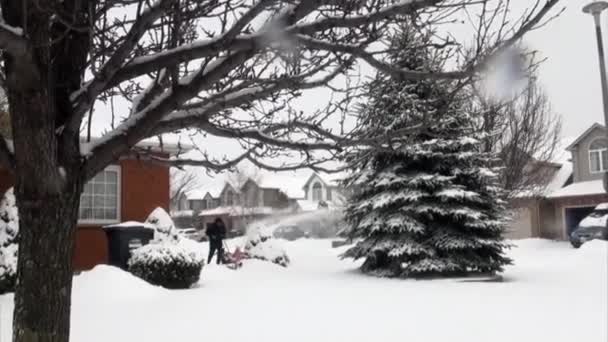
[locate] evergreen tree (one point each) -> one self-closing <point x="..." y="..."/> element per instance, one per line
<point x="430" y="206"/>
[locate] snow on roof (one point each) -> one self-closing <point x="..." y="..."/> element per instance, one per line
<point x="560" y="178"/>
<point x="561" y="154"/>
<point x="291" y="184"/>
<point x="213" y="188"/>
<point x="595" y="187"/>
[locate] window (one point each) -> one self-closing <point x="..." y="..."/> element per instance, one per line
<point x="100" y="199"/>
<point x="598" y="156"/>
<point x="229" y="198"/>
<point x="317" y="192"/>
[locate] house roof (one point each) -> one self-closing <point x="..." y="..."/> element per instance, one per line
<point x="213" y="189"/>
<point x="560" y="178"/>
<point x="582" y="136"/>
<point x="595" y="187"/>
<point x="288" y="183"/>
<point x="329" y="180"/>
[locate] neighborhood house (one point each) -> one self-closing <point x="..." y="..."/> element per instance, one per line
<point x="272" y="195"/>
<point x="126" y="191"/>
<point x="574" y="190"/>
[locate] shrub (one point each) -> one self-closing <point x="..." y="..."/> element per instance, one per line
<point x="9" y="229"/>
<point x="166" y="264"/>
<point x="260" y="245"/>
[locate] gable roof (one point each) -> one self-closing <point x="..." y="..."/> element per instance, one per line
<point x="287" y="182"/>
<point x="212" y="189"/>
<point x="584" y="135"/>
<point x="329" y="180"/>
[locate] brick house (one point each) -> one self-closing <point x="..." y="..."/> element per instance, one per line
<point x="574" y="191"/>
<point x="128" y="190"/>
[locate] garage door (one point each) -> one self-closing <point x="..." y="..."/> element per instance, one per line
<point x="521" y="224"/>
<point x="574" y="216"/>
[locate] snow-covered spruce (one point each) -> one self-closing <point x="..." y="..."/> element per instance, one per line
<point x="9" y="229"/>
<point x="431" y="207"/>
<point x="261" y="245"/>
<point x="166" y="264"/>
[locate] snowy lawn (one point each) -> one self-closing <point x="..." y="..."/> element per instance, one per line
<point x="554" y="293"/>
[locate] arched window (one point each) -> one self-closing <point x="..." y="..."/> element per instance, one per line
<point x="598" y="155"/>
<point x="317" y="192"/>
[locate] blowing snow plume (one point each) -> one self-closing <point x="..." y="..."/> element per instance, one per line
<point x="505" y="75"/>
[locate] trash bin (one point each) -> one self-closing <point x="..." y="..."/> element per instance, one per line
<point x="125" y="237"/>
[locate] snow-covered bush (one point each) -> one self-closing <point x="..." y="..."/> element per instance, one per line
<point x="260" y="245"/>
<point x="166" y="264"/>
<point x="9" y="228"/>
<point x="164" y="228"/>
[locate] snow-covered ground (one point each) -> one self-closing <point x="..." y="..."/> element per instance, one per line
<point x="553" y="293"/>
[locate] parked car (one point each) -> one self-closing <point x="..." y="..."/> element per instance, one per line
<point x="592" y="227"/>
<point x="190" y="233"/>
<point x="289" y="233"/>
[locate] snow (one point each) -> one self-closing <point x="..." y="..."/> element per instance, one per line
<point x="504" y="75"/>
<point x="236" y="210"/>
<point x="306" y="205"/>
<point x="129" y="224"/>
<point x="553" y="293"/>
<point x="164" y="228"/>
<point x="289" y="183"/>
<point x="602" y="206"/>
<point x="182" y="213"/>
<point x="9" y="229"/>
<point x="214" y="189"/>
<point x="594" y="221"/>
<point x="15" y="30"/>
<point x="152" y="144"/>
<point x="579" y="189"/>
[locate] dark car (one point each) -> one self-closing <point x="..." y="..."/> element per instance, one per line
<point x="592" y="227"/>
<point x="289" y="233"/>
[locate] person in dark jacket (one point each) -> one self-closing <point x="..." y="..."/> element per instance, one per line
<point x="216" y="232"/>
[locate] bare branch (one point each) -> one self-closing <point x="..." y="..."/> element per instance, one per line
<point x="86" y="97"/>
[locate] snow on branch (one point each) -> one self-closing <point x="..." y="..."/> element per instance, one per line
<point x="138" y="126"/>
<point x="86" y="96"/>
<point x="245" y="65"/>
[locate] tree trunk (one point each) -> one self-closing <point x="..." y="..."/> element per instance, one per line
<point x="48" y="167"/>
<point x="42" y="297"/>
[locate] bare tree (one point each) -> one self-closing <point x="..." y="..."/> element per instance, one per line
<point x="225" y="68"/>
<point x="525" y="133"/>
<point x="182" y="182"/>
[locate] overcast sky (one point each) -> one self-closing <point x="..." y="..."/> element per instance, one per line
<point x="571" y="73"/>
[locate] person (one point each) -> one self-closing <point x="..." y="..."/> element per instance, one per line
<point x="216" y="232"/>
